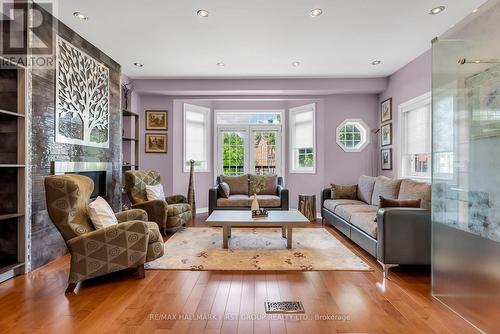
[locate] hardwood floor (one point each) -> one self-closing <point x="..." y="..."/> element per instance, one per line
<point x="226" y="302"/>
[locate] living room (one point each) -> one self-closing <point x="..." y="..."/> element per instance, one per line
<point x="230" y="167"/>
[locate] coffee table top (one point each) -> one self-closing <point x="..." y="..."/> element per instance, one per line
<point x="244" y="218"/>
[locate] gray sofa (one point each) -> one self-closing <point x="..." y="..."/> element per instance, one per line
<point x="398" y="235"/>
<point x="273" y="197"/>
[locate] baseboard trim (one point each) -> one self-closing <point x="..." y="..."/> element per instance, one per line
<point x="201" y="210"/>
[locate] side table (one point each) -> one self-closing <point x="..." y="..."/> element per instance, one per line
<point x="307" y="206"/>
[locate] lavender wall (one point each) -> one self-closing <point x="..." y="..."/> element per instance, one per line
<point x="409" y="82"/>
<point x="333" y="164"/>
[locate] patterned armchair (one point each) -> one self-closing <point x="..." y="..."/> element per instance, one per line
<point x="171" y="213"/>
<point x="128" y="244"/>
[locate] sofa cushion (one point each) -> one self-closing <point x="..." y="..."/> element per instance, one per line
<point x="346" y="211"/>
<point x="262" y="184"/>
<point x="343" y="191"/>
<point x="238" y="185"/>
<point x="384" y="186"/>
<point x="331" y="204"/>
<point x="365" y="221"/>
<point x="269" y="201"/>
<point x="234" y="201"/>
<point x="365" y="188"/>
<point x="416" y="190"/>
<point x="224" y="190"/>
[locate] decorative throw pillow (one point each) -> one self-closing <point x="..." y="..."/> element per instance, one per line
<point x="224" y="190"/>
<point x="262" y="184"/>
<point x="155" y="192"/>
<point x="101" y="214"/>
<point x="399" y="203"/>
<point x="342" y="191"/>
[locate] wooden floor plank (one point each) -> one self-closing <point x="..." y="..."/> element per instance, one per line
<point x="179" y="302"/>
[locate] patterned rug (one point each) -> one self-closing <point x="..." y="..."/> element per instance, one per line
<point x="200" y="248"/>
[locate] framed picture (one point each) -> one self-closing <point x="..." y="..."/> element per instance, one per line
<point x="156" y="120"/>
<point x="386" y="110"/>
<point x="156" y="143"/>
<point x="386" y="158"/>
<point x="386" y="133"/>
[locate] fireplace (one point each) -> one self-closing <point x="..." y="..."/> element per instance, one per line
<point x="99" y="172"/>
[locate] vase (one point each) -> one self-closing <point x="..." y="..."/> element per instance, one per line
<point x="255" y="203"/>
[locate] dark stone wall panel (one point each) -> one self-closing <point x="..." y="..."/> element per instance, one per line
<point x="46" y="242"/>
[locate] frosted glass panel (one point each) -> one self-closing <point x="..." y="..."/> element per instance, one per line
<point x="466" y="168"/>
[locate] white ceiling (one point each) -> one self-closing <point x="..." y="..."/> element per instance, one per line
<point x="261" y="38"/>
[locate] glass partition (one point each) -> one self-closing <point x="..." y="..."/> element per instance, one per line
<point x="466" y="168"/>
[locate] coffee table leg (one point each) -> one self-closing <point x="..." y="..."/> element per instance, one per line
<point x="289" y="237"/>
<point x="229" y="231"/>
<point x="224" y="236"/>
<point x="283" y="232"/>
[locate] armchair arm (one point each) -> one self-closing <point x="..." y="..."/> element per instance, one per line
<point x="212" y="198"/>
<point x="156" y="209"/>
<point x="325" y="194"/>
<point x="176" y="199"/>
<point x="134" y="214"/>
<point x="93" y="255"/>
<point x="283" y="194"/>
<point x="404" y="236"/>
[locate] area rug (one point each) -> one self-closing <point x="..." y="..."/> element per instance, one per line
<point x="200" y="248"/>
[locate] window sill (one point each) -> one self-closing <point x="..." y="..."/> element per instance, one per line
<point x="198" y="171"/>
<point x="302" y="172"/>
<point x="418" y="178"/>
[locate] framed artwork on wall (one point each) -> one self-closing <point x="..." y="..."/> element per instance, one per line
<point x="386" y="133"/>
<point x="156" y="120"/>
<point x="386" y="110"/>
<point x="156" y="143"/>
<point x="386" y="158"/>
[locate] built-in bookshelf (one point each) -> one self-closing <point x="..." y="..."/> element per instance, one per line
<point x="12" y="171"/>
<point x="130" y="138"/>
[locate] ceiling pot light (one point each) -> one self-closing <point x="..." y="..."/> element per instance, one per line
<point x="376" y="62"/>
<point x="316" y="12"/>
<point x="475" y="10"/>
<point x="138" y="64"/>
<point x="437" y="10"/>
<point x="295" y="63"/>
<point x="221" y="64"/>
<point x="202" y="13"/>
<point x="81" y="16"/>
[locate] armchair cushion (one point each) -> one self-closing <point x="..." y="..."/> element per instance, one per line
<point x="155" y="192"/>
<point x="176" y="199"/>
<point x="157" y="211"/>
<point x="177" y="209"/>
<point x="133" y="214"/>
<point x="136" y="182"/>
<point x="101" y="214"/>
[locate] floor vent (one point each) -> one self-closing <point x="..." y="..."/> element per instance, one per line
<point x="284" y="307"/>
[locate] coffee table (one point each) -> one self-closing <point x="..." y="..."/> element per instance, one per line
<point x="284" y="219"/>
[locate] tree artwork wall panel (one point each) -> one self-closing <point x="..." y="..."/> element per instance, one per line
<point x="82" y="98"/>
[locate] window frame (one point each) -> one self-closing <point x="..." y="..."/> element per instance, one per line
<point x="293" y="169"/>
<point x="415" y="103"/>
<point x="366" y="130"/>
<point x="206" y="112"/>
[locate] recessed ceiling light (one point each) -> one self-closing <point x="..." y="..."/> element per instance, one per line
<point x="316" y="12"/>
<point x="376" y="62"/>
<point x="296" y="63"/>
<point x="475" y="10"/>
<point x="202" y="13"/>
<point x="221" y="64"/>
<point x="437" y="10"/>
<point x="138" y="64"/>
<point x="81" y="16"/>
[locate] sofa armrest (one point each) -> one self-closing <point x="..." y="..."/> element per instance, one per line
<point x="283" y="195"/>
<point x="404" y="236"/>
<point x="176" y="199"/>
<point x="325" y="194"/>
<point x="156" y="209"/>
<point x="134" y="214"/>
<point x="212" y="198"/>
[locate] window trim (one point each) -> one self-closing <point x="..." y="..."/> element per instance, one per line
<point x="291" y="151"/>
<point x="206" y="111"/>
<point x="366" y="129"/>
<point x="417" y="102"/>
<point x="247" y="128"/>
